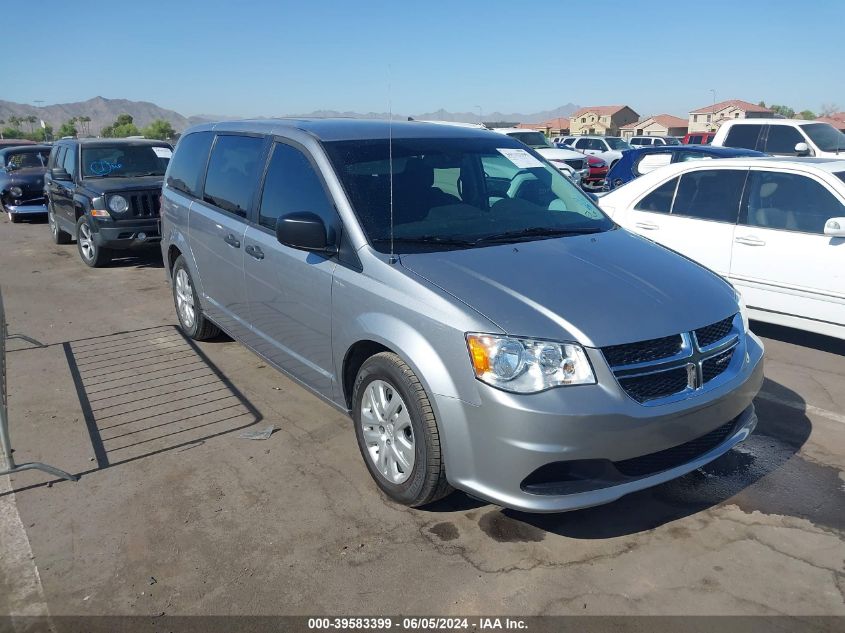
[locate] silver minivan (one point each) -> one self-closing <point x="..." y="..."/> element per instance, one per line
<point x="483" y="323"/>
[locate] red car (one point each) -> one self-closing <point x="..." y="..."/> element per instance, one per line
<point x="699" y="138"/>
<point x="598" y="172"/>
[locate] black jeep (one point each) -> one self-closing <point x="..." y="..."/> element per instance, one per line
<point x="105" y="193"/>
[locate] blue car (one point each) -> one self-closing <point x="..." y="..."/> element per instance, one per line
<point x="636" y="162"/>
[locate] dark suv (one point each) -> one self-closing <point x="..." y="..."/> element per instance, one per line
<point x="105" y="193"/>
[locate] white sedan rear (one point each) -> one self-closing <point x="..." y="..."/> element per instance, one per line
<point x="774" y="227"/>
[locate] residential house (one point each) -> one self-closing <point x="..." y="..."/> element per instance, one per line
<point x="709" y="118"/>
<point x="657" y="125"/>
<point x="552" y="127"/>
<point x="837" y="120"/>
<point x="603" y="120"/>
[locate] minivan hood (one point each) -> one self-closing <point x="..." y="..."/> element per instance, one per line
<point x="601" y="289"/>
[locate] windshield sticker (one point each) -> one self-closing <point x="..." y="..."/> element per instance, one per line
<point x="103" y="167"/>
<point x="163" y="152"/>
<point x="520" y="158"/>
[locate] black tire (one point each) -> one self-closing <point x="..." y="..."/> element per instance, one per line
<point x="59" y="236"/>
<point x="427" y="481"/>
<point x="201" y="329"/>
<point x="89" y="252"/>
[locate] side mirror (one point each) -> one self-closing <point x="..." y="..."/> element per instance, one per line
<point x="57" y="173"/>
<point x="305" y="231"/>
<point x="835" y="227"/>
<point x="802" y="149"/>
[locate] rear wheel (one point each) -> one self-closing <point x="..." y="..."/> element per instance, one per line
<point x="91" y="253"/>
<point x="59" y="236"/>
<point x="397" y="432"/>
<point x="191" y="319"/>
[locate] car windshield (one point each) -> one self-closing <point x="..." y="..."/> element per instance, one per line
<point x="22" y="160"/>
<point x="617" y="143"/>
<point x="124" y="161"/>
<point x="531" y="139"/>
<point x="459" y="193"/>
<point x="826" y="137"/>
<point x="671" y="140"/>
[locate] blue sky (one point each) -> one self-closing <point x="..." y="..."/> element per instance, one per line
<point x="268" y="57"/>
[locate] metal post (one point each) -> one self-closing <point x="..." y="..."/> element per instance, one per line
<point x="11" y="467"/>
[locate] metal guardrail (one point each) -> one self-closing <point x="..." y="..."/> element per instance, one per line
<point x="6" y="442"/>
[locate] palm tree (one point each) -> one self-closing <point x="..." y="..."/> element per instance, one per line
<point x="85" y="120"/>
<point x="2" y="123"/>
<point x="31" y="119"/>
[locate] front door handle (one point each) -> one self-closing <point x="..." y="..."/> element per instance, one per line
<point x="648" y="226"/>
<point x="254" y="251"/>
<point x="750" y="241"/>
<point x="232" y="241"/>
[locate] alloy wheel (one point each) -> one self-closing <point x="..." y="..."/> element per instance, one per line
<point x="387" y="430"/>
<point x="86" y="242"/>
<point x="185" y="298"/>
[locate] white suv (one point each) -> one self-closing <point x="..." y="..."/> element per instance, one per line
<point x="650" y="141"/>
<point x="608" y="148"/>
<point x="782" y="137"/>
<point x="569" y="162"/>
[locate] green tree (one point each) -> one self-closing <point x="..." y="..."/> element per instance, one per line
<point x="762" y="104"/>
<point x="809" y="115"/>
<point x="43" y="134"/>
<point x="159" y="129"/>
<point x="783" y="110"/>
<point x="86" y="123"/>
<point x="121" y="128"/>
<point x="68" y="129"/>
<point x="12" y="131"/>
<point x="32" y="120"/>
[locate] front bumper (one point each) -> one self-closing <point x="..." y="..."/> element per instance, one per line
<point x="27" y="209"/>
<point x="492" y="449"/>
<point x="126" y="234"/>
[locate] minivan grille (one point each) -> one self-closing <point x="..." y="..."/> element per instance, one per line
<point x="576" y="163"/>
<point x="675" y="456"/>
<point x="643" y="351"/>
<point x="651" y="370"/>
<point x="144" y="204"/>
<point x="710" y="334"/>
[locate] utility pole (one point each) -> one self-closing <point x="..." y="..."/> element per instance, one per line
<point x="713" y="111"/>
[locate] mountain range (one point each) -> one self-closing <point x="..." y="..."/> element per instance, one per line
<point x="104" y="111"/>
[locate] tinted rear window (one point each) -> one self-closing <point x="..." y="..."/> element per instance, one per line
<point x="743" y="136"/>
<point x="187" y="166"/>
<point x="659" y="200"/>
<point x="710" y="194"/>
<point x="232" y="171"/>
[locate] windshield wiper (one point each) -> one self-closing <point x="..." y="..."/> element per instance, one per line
<point x="428" y="239"/>
<point x="536" y="231"/>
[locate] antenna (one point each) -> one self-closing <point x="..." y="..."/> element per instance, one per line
<point x="392" y="259"/>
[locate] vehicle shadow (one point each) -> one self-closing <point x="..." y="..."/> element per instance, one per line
<point x="764" y="473"/>
<point x="146" y="392"/>
<point x="790" y="335"/>
<point x="147" y="257"/>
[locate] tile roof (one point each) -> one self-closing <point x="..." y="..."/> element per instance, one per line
<point x="736" y="103"/>
<point x="839" y="124"/>
<point x="666" y="120"/>
<point x="600" y="110"/>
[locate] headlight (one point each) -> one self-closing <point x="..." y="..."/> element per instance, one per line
<point x="743" y="309"/>
<point x="16" y="192"/>
<point x="118" y="204"/>
<point x="525" y="365"/>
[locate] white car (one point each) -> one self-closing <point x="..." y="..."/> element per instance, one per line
<point x="569" y="162"/>
<point x="608" y="148"/>
<point x="774" y="227"/>
<point x="782" y="137"/>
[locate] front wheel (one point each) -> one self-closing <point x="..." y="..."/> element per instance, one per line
<point x="92" y="254"/>
<point x="397" y="432"/>
<point x="59" y="236"/>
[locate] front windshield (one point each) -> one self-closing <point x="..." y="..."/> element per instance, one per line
<point x="826" y="137"/>
<point x="531" y="139"/>
<point x="22" y="160"/>
<point x="617" y="143"/>
<point x="459" y="193"/>
<point x="124" y="161"/>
